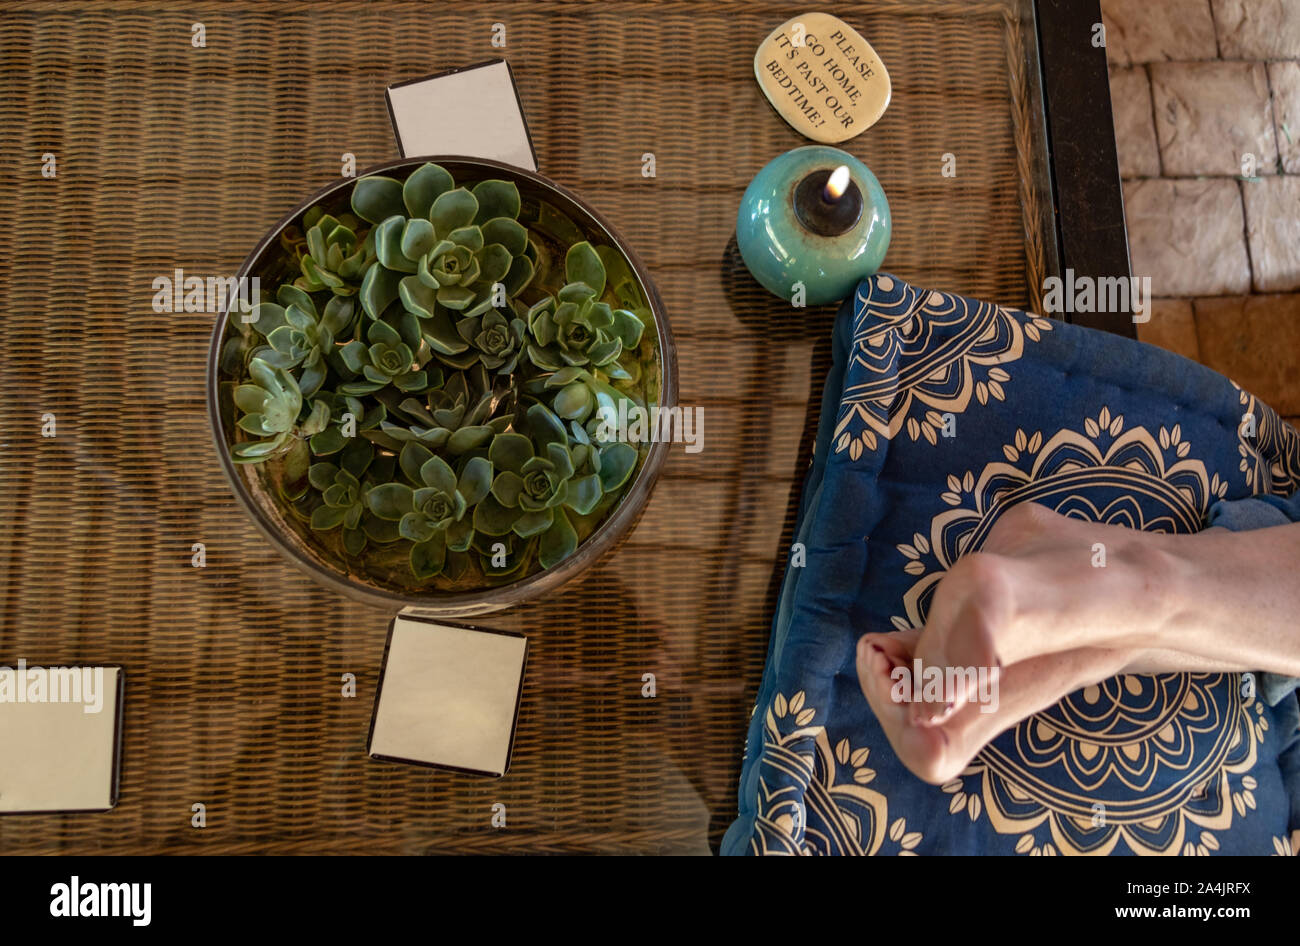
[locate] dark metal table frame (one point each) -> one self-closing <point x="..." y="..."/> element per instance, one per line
<point x="1092" y="239"/>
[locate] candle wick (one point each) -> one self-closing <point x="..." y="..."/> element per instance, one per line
<point x="836" y="184"/>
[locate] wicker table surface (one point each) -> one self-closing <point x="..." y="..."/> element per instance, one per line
<point x="175" y="157"/>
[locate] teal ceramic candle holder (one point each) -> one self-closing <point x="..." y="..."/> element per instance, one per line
<point x="792" y="230"/>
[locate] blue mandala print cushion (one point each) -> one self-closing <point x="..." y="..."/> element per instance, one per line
<point x="1091" y="425"/>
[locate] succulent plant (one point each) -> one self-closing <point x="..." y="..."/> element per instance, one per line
<point x="271" y="404"/>
<point x="349" y="417"/>
<point x="442" y="247"/>
<point x="533" y="487"/>
<point x="343" y="493"/>
<point x="333" y="256"/>
<point x="442" y="423"/>
<point x="454" y="427"/>
<point x="434" y="516"/>
<point x="344" y="499"/>
<point x="574" y="327"/>
<point x="590" y="404"/>
<point x="592" y="408"/>
<point x="501" y="556"/>
<point x="388" y="359"/>
<point x="305" y="336"/>
<point x="630" y="299"/>
<point x="492" y="340"/>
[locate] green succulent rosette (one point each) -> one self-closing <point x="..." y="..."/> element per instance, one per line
<point x="271" y="402"/>
<point x="343" y="494"/>
<point x="574" y="327"/>
<point x="492" y="339"/>
<point x="333" y="255"/>
<point x="446" y="252"/>
<point x="299" y="336"/>
<point x="385" y="358"/>
<point x="348" y="417"/>
<point x="446" y="421"/>
<point x="541" y="480"/>
<point x="434" y="515"/>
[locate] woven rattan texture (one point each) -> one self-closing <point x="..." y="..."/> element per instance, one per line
<point x="175" y="157"/>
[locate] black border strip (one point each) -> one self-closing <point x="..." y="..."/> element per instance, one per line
<point x="379" y="691"/>
<point x="114" y="789"/>
<point x="1092" y="236"/>
<point x="397" y="133"/>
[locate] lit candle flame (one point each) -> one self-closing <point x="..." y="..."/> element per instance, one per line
<point x="838" y="183"/>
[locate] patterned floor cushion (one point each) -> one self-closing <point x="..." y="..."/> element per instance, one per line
<point x="941" y="412"/>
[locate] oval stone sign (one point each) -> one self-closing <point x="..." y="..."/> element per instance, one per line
<point x="822" y="77"/>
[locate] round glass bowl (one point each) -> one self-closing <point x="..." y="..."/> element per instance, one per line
<point x="553" y="215"/>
